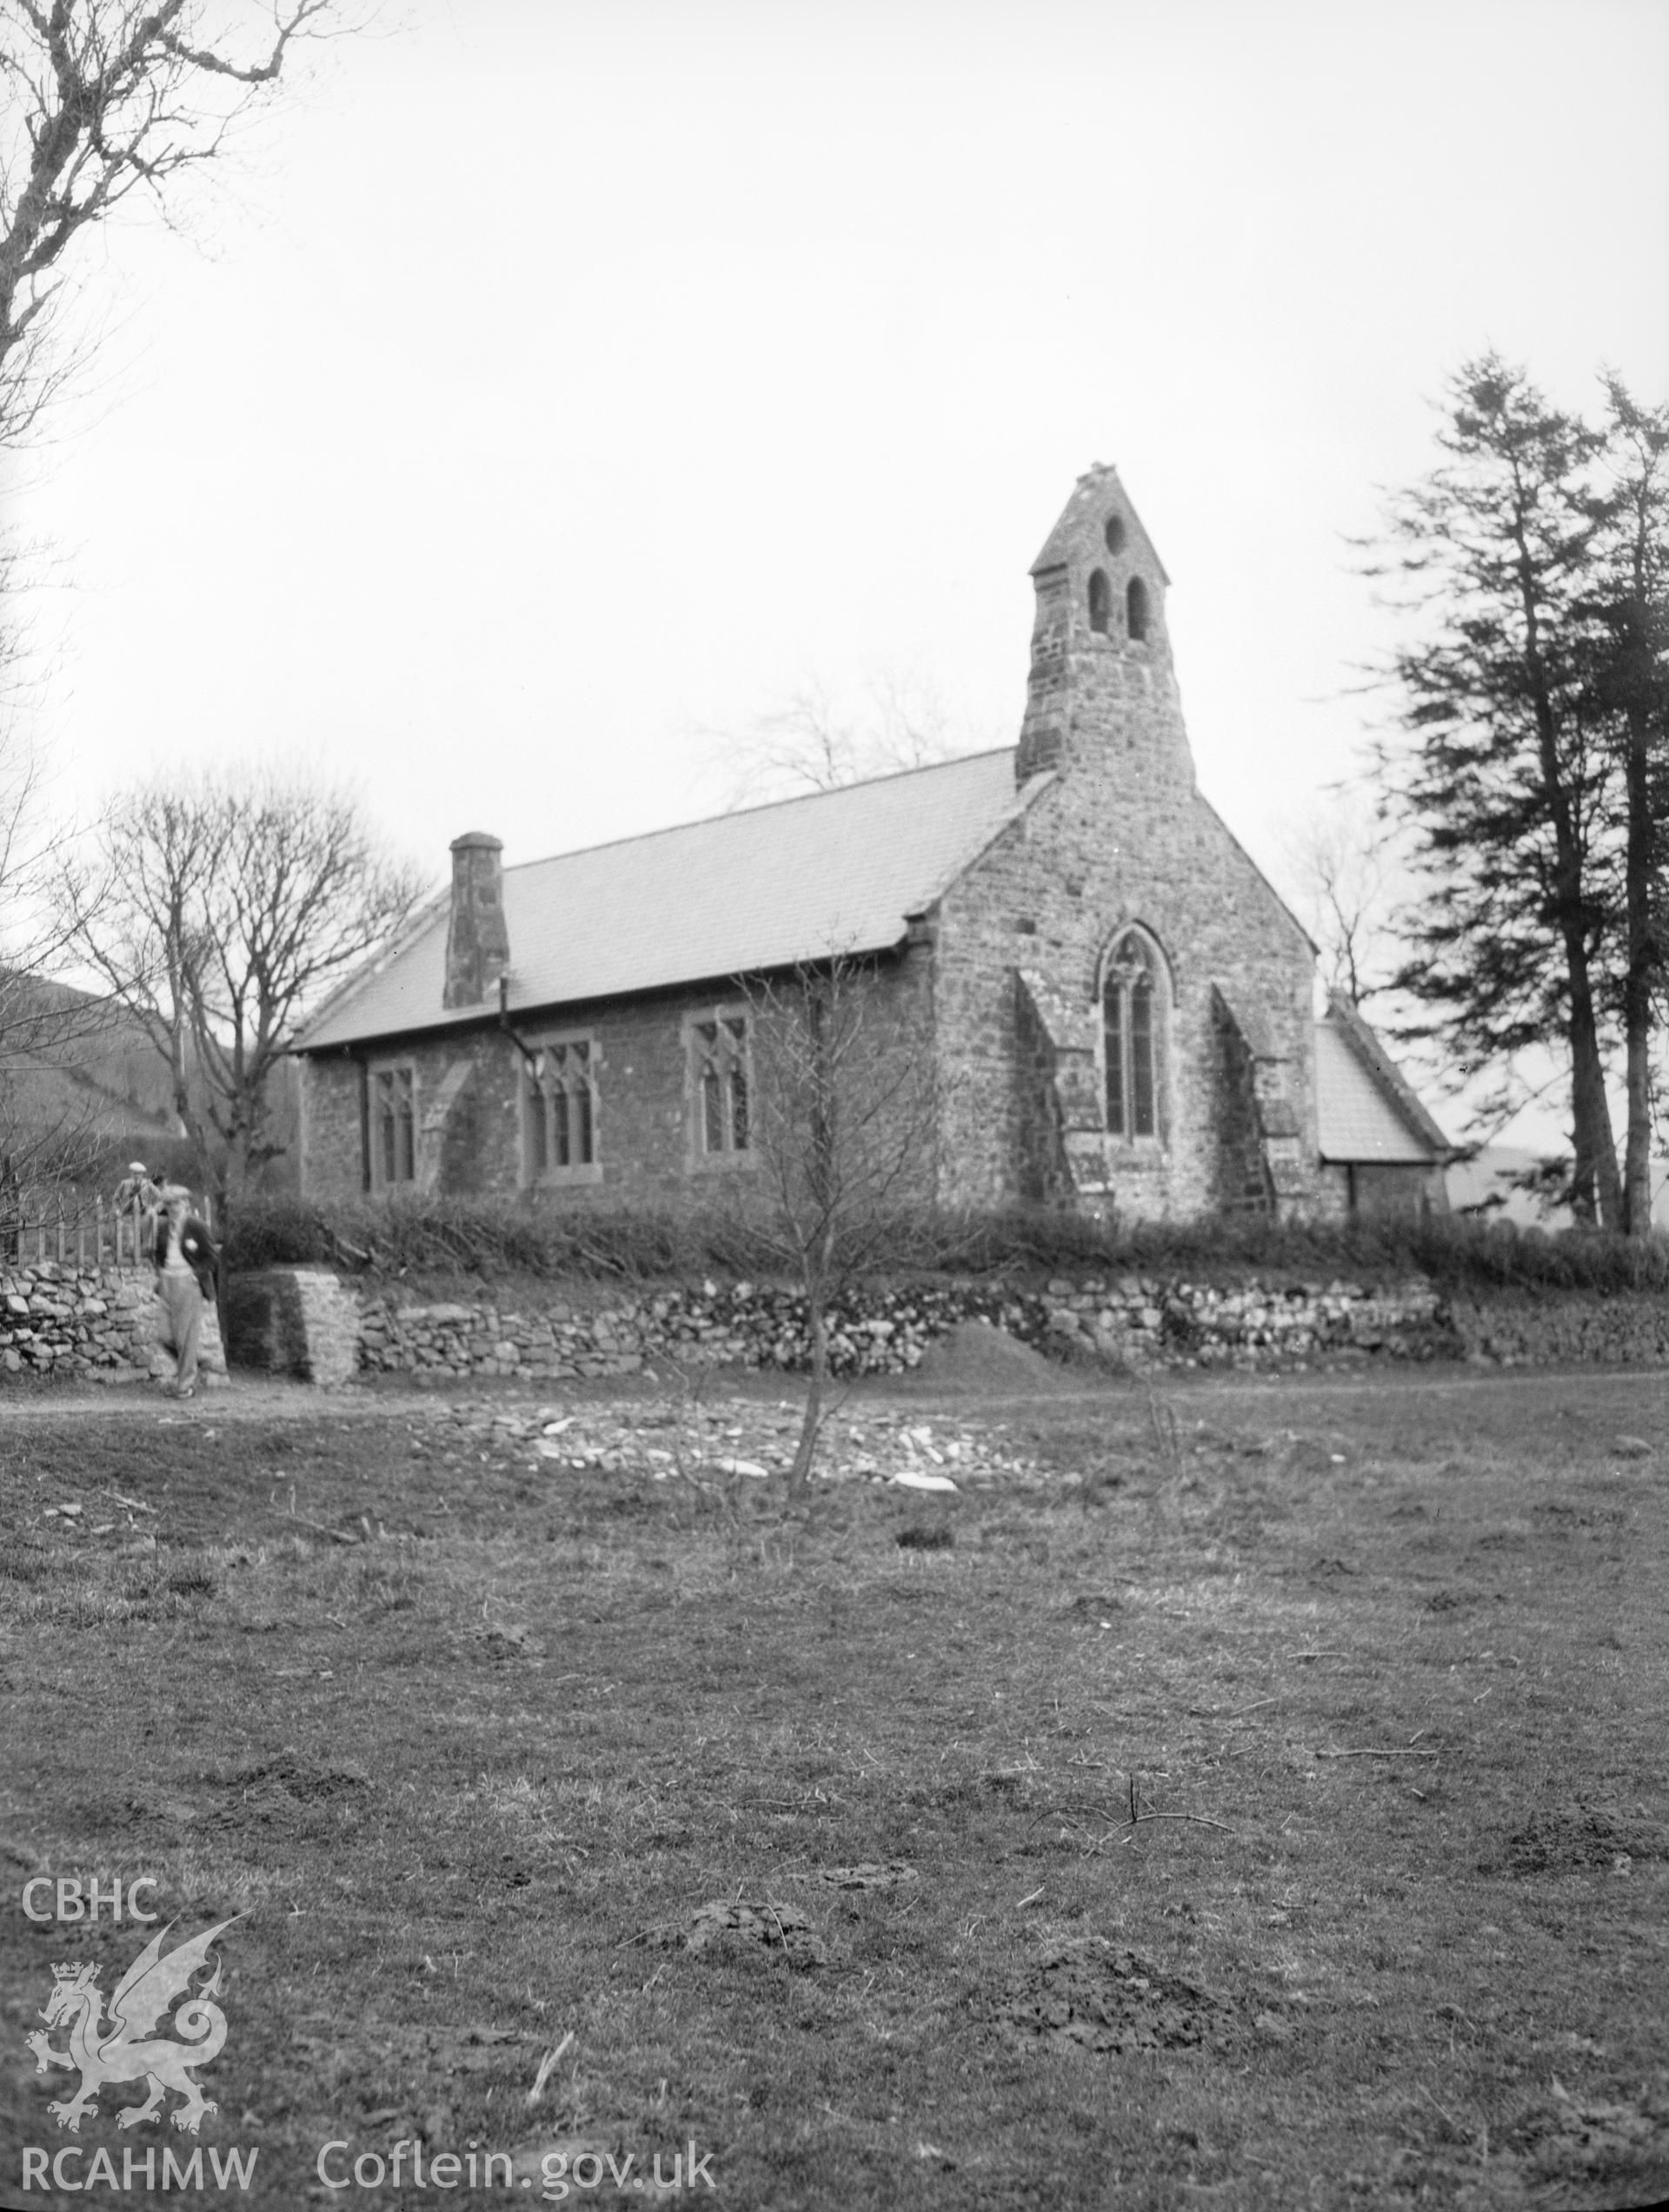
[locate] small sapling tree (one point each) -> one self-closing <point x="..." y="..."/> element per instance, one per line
<point x="843" y="1115"/>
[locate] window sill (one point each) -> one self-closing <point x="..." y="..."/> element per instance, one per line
<point x="738" y="1163"/>
<point x="565" y="1178"/>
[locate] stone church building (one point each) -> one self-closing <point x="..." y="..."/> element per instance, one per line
<point x="1120" y="1009"/>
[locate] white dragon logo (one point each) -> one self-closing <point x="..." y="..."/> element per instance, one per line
<point x="125" y="2048"/>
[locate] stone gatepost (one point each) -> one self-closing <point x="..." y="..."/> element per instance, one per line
<point x="299" y="1321"/>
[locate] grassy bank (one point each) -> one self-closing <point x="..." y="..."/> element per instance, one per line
<point x="1250" y="1796"/>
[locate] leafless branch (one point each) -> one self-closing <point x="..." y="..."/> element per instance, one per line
<point x="99" y="99"/>
<point x="845" y="1110"/>
<point x="217" y="910"/>
<point x="814" y="740"/>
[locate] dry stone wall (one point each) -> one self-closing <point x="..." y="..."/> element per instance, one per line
<point x="101" y="1324"/>
<point x="1132" y="1320"/>
<point x="105" y="1325"/>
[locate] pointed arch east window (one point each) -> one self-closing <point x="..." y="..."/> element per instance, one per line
<point x="1131" y="1004"/>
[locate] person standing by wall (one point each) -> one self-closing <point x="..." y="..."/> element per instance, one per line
<point x="185" y="1259"/>
<point x="182" y="1251"/>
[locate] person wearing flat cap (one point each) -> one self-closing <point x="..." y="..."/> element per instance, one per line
<point x="183" y="1252"/>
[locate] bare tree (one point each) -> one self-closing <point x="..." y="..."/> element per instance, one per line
<point x="1339" y="861"/>
<point x="99" y="100"/>
<point x="219" y="910"/>
<point x="815" y="740"/>
<point x="843" y="1111"/>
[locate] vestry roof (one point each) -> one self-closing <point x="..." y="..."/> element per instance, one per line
<point x="806" y="879"/>
<point x="1365" y="1112"/>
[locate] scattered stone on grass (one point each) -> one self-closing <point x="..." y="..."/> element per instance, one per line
<point x="719" y="1438"/>
<point x="1091" y="1995"/>
<point x="1631" y="1447"/>
<point x="732" y="1925"/>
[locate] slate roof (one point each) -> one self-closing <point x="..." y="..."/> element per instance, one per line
<point x="1365" y="1112"/>
<point x="805" y="878"/>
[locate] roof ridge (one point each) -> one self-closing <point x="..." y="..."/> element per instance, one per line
<point x="763" y="807"/>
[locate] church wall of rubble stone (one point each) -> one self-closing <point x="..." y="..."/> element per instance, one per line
<point x="1118" y="839"/>
<point x="1113" y="1006"/>
<point x="468" y="1088"/>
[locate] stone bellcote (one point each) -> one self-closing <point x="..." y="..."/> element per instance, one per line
<point x="477" y="937"/>
<point x="1102" y="693"/>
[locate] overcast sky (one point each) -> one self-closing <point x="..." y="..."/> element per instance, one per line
<point x="559" y="378"/>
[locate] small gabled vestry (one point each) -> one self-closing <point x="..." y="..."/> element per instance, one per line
<point x="1117" y="1005"/>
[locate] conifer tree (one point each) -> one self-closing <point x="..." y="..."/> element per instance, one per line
<point x="1629" y="682"/>
<point x="1510" y="788"/>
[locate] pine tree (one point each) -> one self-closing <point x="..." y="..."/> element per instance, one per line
<point x="1509" y="787"/>
<point x="1629" y="687"/>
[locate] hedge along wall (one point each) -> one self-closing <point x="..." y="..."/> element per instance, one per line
<point x="1521" y="1328"/>
<point x="581" y="1331"/>
<point x="100" y="1324"/>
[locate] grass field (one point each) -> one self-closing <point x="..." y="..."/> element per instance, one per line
<point x="1252" y="1795"/>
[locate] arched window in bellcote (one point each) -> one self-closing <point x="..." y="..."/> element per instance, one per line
<point x="1132" y="1000"/>
<point x="1136" y="615"/>
<point x="1101" y="601"/>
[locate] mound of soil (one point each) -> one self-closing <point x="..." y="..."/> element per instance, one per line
<point x="296" y="1776"/>
<point x="285" y="1792"/>
<point x="976" y="1358"/>
<point x="728" y="1925"/>
<point x="872" y="1874"/>
<point x="1563" y="1840"/>
<point x="1097" y="1998"/>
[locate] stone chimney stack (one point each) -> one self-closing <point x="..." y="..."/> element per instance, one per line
<point x="477" y="941"/>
